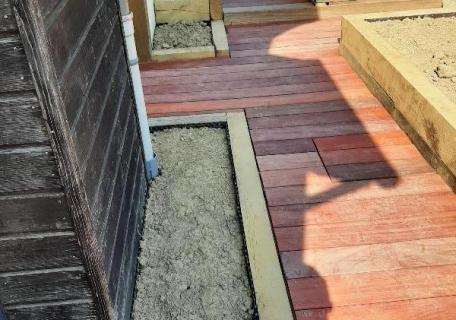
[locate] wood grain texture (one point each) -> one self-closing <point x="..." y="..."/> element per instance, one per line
<point x="42" y="252"/>
<point x="369" y="258"/>
<point x="356" y="190"/>
<point x="68" y="311"/>
<point x="21" y="120"/>
<point x="78" y="285"/>
<point x="14" y="72"/>
<point x="372" y="209"/>
<point x="437" y="308"/>
<point x="284" y="147"/>
<point x="7" y="21"/>
<point x="389" y="286"/>
<point x="34" y="213"/>
<point x="434" y="225"/>
<point x="44" y="287"/>
<point x="28" y="169"/>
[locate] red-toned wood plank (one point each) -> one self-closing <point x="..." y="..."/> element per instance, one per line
<point x="368" y="288"/>
<point x="289" y="161"/>
<point x="376" y="170"/>
<point x="294" y="51"/>
<point x="355" y="233"/>
<point x="325" y="106"/>
<point x="301" y="176"/>
<point x="353" y="190"/>
<point x="228" y="104"/>
<point x="333" y="64"/>
<point x="265" y="79"/>
<point x="362" y="140"/>
<point x="347" y="83"/>
<point x="369" y="258"/>
<point x="436" y="308"/>
<point x="293" y="42"/>
<point x="365" y="114"/>
<point x="267" y="38"/>
<point x="263" y="148"/>
<point x="313" y="131"/>
<point x="371" y="209"/>
<point x="363" y="155"/>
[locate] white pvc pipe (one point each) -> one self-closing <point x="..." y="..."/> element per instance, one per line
<point x="149" y="156"/>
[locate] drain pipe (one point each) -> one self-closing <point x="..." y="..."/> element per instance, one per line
<point x="128" y="29"/>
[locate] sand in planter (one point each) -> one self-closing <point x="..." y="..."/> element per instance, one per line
<point x="182" y="35"/>
<point x="449" y="4"/>
<point x="430" y="43"/>
<point x="192" y="263"/>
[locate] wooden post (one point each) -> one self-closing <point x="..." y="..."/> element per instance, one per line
<point x="216" y="9"/>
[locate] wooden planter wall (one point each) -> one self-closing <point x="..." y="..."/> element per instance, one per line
<point x="73" y="181"/>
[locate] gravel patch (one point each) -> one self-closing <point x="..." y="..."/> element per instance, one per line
<point x="192" y="263"/>
<point x="182" y="35"/>
<point x="430" y="43"/>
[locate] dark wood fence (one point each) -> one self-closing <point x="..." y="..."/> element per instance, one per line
<point x="71" y="162"/>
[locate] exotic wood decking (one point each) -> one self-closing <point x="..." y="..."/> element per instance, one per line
<point x="364" y="227"/>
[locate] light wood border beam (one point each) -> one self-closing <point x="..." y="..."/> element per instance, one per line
<point x="422" y="110"/>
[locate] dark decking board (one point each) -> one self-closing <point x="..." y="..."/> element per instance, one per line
<point x="68" y="311"/>
<point x="364" y="227"/>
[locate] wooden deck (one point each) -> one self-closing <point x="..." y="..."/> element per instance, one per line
<point x="364" y="227"/>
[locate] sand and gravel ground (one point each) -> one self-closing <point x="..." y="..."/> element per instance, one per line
<point x="430" y="43"/>
<point x="192" y="263"/>
<point x="451" y="4"/>
<point x="182" y="35"/>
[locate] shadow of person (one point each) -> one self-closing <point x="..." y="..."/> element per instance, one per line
<point x="321" y="142"/>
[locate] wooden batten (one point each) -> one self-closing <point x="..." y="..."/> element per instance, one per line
<point x="220" y="39"/>
<point x="162" y="55"/>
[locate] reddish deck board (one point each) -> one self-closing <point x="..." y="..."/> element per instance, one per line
<point x="366" y="230"/>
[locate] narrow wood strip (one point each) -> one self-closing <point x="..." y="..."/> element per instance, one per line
<point x="369" y="258"/>
<point x="353" y="190"/>
<point x="261" y="79"/>
<point x="226" y="104"/>
<point x="364" y="114"/>
<point x="362" y="140"/>
<point x="325" y="106"/>
<point x="433" y="225"/>
<point x="313" y="131"/>
<point x="436" y="308"/>
<point x="289" y="161"/>
<point x="346" y="83"/>
<point x="376" y="170"/>
<point x="364" y="155"/>
<point x="242" y="65"/>
<point x="284" y="146"/>
<point x="300" y="176"/>
<point x="372" y="209"/>
<point x="314" y="50"/>
<point x="368" y="288"/>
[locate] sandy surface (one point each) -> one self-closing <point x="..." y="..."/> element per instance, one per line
<point x="192" y="263"/>
<point x="430" y="44"/>
<point x="450" y="4"/>
<point x="182" y="35"/>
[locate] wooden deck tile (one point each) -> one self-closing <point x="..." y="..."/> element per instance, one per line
<point x="365" y="229"/>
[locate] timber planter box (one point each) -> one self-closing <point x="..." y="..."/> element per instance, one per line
<point x="427" y="114"/>
<point x="218" y="48"/>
